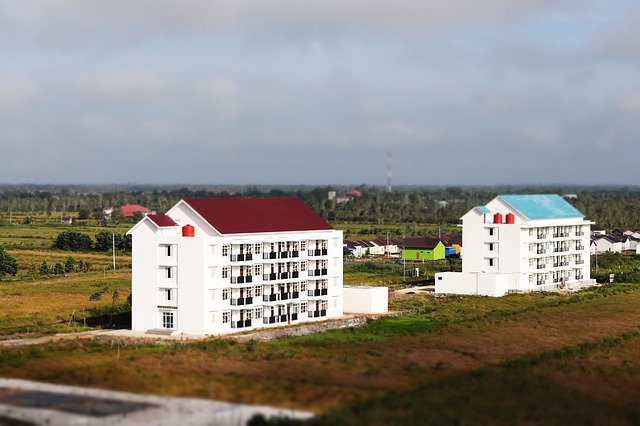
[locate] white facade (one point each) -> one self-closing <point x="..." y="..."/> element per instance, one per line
<point x="366" y="299"/>
<point x="213" y="283"/>
<point x="530" y="254"/>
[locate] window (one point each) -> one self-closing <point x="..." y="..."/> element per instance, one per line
<point x="303" y="266"/>
<point x="303" y="245"/>
<point x="323" y="305"/>
<point x="490" y="246"/>
<point x="294" y="308"/>
<point x="303" y="286"/>
<point x="168" y="294"/>
<point x="294" y="266"/>
<point x="225" y="294"/>
<point x="225" y="271"/>
<point x="282" y="246"/>
<point x="491" y="231"/>
<point x="257" y="248"/>
<point x="168" y="251"/>
<point x="303" y="307"/>
<point x="249" y="271"/>
<point x="491" y="262"/>
<point x="248" y="248"/>
<point x="226" y="316"/>
<point x="257" y="313"/>
<point x="225" y="249"/>
<point x="249" y="292"/>
<point x="248" y="315"/>
<point x="324" y="244"/>
<point x="167" y="320"/>
<point x="257" y="291"/>
<point x="257" y="270"/>
<point x="169" y="272"/>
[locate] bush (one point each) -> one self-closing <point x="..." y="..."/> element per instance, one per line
<point x="8" y="264"/>
<point x="73" y="241"/>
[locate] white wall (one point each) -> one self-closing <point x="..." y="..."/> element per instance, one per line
<point x="366" y="300"/>
<point x="485" y="284"/>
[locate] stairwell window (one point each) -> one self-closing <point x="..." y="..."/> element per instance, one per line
<point x="257" y="313"/>
<point x="226" y="316"/>
<point x="226" y="249"/>
<point x="225" y="294"/>
<point x="225" y="271"/>
<point x="167" y="320"/>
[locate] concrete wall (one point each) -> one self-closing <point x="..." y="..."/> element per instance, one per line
<point x="366" y="300"/>
<point x="484" y="284"/>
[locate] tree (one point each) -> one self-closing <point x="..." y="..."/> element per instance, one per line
<point x="73" y="241"/>
<point x="44" y="268"/>
<point x="83" y="214"/>
<point x="70" y="265"/>
<point x="58" y="268"/>
<point x="103" y="241"/>
<point x="8" y="264"/>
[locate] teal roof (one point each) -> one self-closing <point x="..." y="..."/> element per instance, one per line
<point x="544" y="206"/>
<point x="483" y="209"/>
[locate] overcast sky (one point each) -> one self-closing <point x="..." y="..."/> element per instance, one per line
<point x="317" y="92"/>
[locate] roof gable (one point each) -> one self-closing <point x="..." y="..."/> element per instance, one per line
<point x="250" y="215"/>
<point x="542" y="206"/>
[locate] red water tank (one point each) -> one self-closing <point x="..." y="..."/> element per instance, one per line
<point x="497" y="218"/>
<point x="188" y="231"/>
<point x="510" y="219"/>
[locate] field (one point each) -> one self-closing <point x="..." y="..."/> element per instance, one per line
<point x="538" y="358"/>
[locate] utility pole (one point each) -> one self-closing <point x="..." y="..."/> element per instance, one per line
<point x="113" y="249"/>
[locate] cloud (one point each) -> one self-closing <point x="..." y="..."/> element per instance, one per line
<point x="123" y="85"/>
<point x="16" y="94"/>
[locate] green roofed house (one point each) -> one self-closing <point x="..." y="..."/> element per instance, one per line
<point x="424" y="248"/>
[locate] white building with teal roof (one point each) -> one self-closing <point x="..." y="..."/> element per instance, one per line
<point x="521" y="243"/>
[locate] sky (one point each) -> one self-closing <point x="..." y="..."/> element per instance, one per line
<point x="476" y="92"/>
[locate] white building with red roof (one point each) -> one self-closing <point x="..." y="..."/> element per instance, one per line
<point x="221" y="265"/>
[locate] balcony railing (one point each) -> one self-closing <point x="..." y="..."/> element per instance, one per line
<point x="241" y="257"/>
<point x="270" y="255"/>
<point x="541" y="236"/>
<point x="241" y="324"/>
<point x="542" y="251"/>
<point x="561" y="235"/>
<point x="274" y="297"/>
<point x="317" y="272"/>
<point x="579" y="262"/>
<point x="579" y="234"/>
<point x="318" y="252"/>
<point x="316" y="314"/>
<point x="579" y="247"/>
<point x="558" y="264"/>
<point x="241" y="301"/>
<point x="541" y="266"/>
<point x="242" y="279"/>
<point x="317" y="292"/>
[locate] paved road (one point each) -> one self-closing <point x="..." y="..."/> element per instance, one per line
<point x="25" y="402"/>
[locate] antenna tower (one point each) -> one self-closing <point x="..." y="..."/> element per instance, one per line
<point x="389" y="172"/>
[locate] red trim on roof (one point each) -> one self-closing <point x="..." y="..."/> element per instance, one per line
<point x="162" y="220"/>
<point x="248" y="215"/>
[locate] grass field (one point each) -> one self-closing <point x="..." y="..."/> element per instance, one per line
<point x="537" y="358"/>
<point x="518" y="359"/>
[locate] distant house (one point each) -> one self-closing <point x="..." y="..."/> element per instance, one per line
<point x="453" y="240"/>
<point x="354" y="193"/>
<point x="609" y="243"/>
<point x="66" y="220"/>
<point x="378" y="247"/>
<point x="598" y="231"/>
<point x="425" y="248"/>
<point x="355" y="248"/>
<point x="129" y="210"/>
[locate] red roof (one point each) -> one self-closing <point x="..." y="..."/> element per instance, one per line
<point x="355" y="193"/>
<point x="162" y="220"/>
<point x="129" y="209"/>
<point x="247" y="215"/>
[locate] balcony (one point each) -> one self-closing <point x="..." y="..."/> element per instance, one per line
<point x="270" y="277"/>
<point x="579" y="247"/>
<point x="284" y="296"/>
<point x="284" y="275"/>
<point x="317" y="292"/>
<point x="580" y="262"/>
<point x="241" y="257"/>
<point x="317" y="272"/>
<point x="294" y="317"/>
<point x="560" y="249"/>
<point x="242" y="279"/>
<point x="269" y="320"/>
<point x="241" y="324"/>
<point x="317" y="314"/>
<point x="541" y="251"/>
<point x="561" y="235"/>
<point x="318" y="252"/>
<point x="271" y="255"/>
<point x="241" y="301"/>
<point x="559" y="264"/>
<point x="541" y="236"/>
<point x="284" y="255"/>
<point x="295" y="295"/>
<point x="540" y="266"/>
<point x="580" y="234"/>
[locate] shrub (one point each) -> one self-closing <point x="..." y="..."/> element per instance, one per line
<point x="8" y="264"/>
<point x="73" y="241"/>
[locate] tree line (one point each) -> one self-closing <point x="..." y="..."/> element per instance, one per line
<point x="612" y="207"/>
<point x="105" y="241"/>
